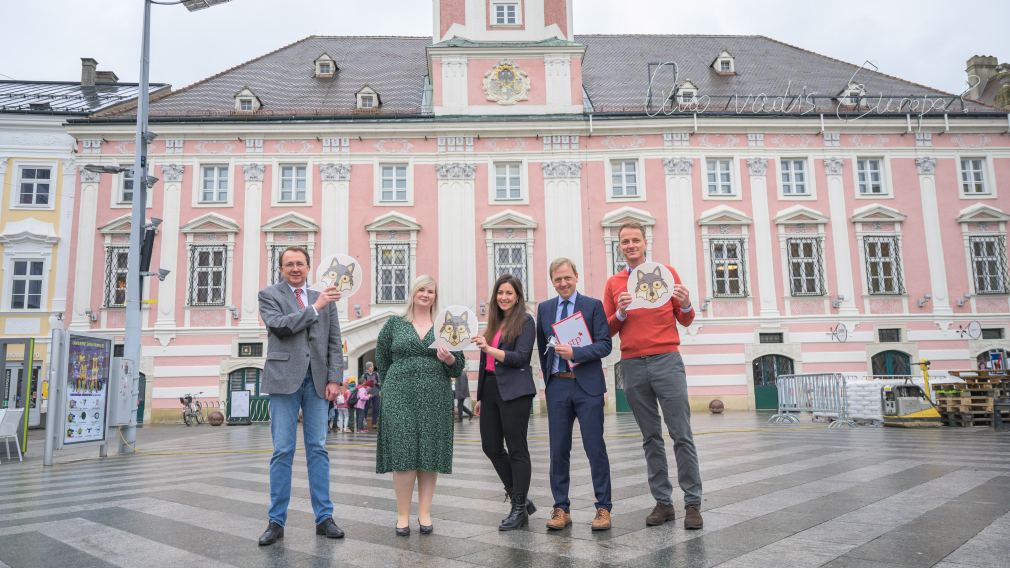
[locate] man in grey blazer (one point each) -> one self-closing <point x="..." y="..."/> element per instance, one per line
<point x="304" y="365"/>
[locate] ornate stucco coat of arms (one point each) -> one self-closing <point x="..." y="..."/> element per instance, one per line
<point x="506" y="84"/>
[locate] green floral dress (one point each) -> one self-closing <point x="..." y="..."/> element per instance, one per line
<point x="415" y="426"/>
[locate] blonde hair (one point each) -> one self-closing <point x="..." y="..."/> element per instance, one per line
<point x="418" y="283"/>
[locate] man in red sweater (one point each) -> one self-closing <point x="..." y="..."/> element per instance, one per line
<point x="653" y="371"/>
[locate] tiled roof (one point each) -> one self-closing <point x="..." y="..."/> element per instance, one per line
<point x="616" y="73"/>
<point x="285" y="82"/>
<point x="64" y="97"/>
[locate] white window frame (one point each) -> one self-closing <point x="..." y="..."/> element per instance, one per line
<point x="15" y="188"/>
<point x="378" y="200"/>
<point x="194" y="269"/>
<point x="515" y="245"/>
<point x="407" y="266"/>
<point x="324" y="68"/>
<point x="198" y="192"/>
<point x="611" y="170"/>
<point x="897" y="269"/>
<point x="885" y="178"/>
<point x="741" y="271"/>
<point x="246" y="104"/>
<point x="112" y="273"/>
<point x="617" y="260"/>
<point x="493" y="176"/>
<point x="1000" y="264"/>
<point x="278" y="171"/>
<point x="514" y="4"/>
<point x="808" y="182"/>
<point x="734" y="183"/>
<point x="988" y="175"/>
<point x="119" y="180"/>
<point x="686" y="96"/>
<point x="818" y="264"/>
<point x="367" y="100"/>
<point x="43" y="280"/>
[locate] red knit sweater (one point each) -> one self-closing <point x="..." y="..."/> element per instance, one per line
<point x="644" y="331"/>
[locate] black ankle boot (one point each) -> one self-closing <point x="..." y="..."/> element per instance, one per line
<point x="518" y="517"/>
<point x="530" y="507"/>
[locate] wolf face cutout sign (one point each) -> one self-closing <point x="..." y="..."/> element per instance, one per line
<point x="339" y="270"/>
<point x="650" y="286"/>
<point x="454" y="327"/>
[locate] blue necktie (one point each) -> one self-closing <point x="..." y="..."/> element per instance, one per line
<point x="562" y="364"/>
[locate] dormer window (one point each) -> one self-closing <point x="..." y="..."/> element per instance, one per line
<point x="852" y="95"/>
<point x="686" y="93"/>
<point x="326" y="67"/>
<point x="724" y="64"/>
<point x="368" y="99"/>
<point x="246" y="101"/>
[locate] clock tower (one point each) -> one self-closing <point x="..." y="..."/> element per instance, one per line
<point x="505" y="57"/>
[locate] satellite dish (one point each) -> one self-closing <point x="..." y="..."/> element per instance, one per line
<point x="840" y="333"/>
<point x="974" y="329"/>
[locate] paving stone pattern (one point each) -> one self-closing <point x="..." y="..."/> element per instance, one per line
<point x="783" y="496"/>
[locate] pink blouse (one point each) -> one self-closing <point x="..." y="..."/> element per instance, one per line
<point x="489" y="365"/>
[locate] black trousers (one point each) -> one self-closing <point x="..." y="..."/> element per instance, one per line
<point x="461" y="409"/>
<point x="504" y="424"/>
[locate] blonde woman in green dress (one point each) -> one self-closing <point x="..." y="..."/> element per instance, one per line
<point x="415" y="433"/>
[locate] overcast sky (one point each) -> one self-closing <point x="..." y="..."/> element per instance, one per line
<point x="926" y="41"/>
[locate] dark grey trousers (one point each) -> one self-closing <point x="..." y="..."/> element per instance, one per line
<point x="651" y="383"/>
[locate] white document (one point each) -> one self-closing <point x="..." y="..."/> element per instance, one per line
<point x="573" y="331"/>
<point x="240" y="404"/>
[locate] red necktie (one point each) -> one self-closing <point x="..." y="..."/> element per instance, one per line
<point x="298" y="297"/>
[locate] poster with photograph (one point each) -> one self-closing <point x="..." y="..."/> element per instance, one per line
<point x="454" y="327"/>
<point x="88" y="360"/>
<point x="342" y="271"/>
<point x="650" y="285"/>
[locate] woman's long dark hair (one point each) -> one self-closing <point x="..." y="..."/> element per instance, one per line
<point x="510" y="323"/>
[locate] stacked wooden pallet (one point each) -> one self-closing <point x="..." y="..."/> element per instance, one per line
<point x="970" y="403"/>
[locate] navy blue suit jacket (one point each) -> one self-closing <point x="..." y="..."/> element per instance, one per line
<point x="589" y="371"/>
<point x="514" y="375"/>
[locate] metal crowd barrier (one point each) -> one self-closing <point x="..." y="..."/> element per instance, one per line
<point x="816" y="393"/>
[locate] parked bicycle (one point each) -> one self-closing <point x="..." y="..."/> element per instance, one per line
<point x="192" y="412"/>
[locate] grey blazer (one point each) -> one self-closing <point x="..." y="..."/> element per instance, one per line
<point x="297" y="340"/>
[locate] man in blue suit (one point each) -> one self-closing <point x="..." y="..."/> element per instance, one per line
<point x="574" y="392"/>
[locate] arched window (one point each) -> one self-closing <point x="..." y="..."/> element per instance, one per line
<point x="995" y="359"/>
<point x="891" y="363"/>
<point x="247" y="378"/>
<point x="767" y="368"/>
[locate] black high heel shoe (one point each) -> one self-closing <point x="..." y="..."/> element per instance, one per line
<point x="426" y="529"/>
<point x="405" y="531"/>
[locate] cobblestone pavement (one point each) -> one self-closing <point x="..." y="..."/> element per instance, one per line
<point x="774" y="496"/>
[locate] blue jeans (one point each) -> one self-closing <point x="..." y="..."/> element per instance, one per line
<point x="284" y="431"/>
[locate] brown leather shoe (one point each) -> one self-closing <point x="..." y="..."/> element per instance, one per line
<point x="692" y="518"/>
<point x="660" y="514"/>
<point x="602" y="520"/>
<point x="560" y="519"/>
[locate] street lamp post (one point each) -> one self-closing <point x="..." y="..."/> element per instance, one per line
<point x="141" y="183"/>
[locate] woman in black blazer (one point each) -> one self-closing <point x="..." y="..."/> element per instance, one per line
<point x="505" y="392"/>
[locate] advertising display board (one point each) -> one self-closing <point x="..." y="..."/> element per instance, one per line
<point x="87" y="388"/>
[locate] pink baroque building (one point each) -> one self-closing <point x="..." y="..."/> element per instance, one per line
<point x="793" y="193"/>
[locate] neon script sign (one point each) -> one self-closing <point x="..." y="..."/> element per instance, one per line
<point x="852" y="104"/>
